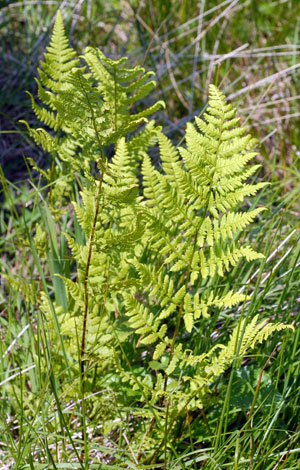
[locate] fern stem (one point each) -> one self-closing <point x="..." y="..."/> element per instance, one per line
<point x="86" y="304"/>
<point x="86" y="276"/>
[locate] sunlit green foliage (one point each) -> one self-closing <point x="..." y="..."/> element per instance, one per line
<point x="150" y="254"/>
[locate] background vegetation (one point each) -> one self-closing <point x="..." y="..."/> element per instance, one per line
<point x="250" y="49"/>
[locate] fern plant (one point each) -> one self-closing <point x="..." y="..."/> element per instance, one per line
<point x="149" y="267"/>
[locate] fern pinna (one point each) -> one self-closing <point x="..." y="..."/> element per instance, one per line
<point x="150" y="263"/>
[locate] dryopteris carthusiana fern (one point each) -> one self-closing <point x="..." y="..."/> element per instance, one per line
<point x="152" y="253"/>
